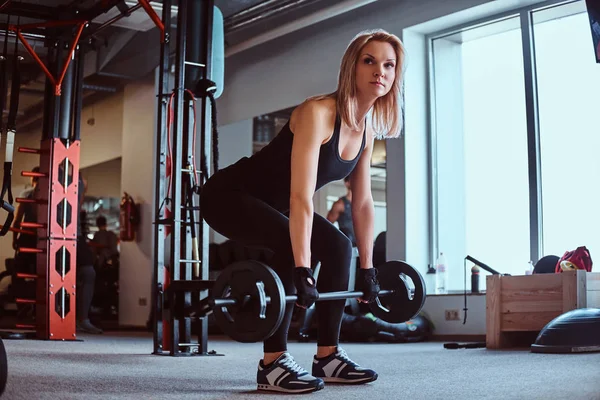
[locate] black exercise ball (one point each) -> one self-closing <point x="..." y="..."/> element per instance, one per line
<point x="576" y="331"/>
<point x="3" y="367"/>
<point x="546" y="265"/>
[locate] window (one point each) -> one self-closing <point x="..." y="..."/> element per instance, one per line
<point x="568" y="81"/>
<point x="483" y="124"/>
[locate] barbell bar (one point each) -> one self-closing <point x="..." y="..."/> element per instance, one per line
<point x="293" y="298"/>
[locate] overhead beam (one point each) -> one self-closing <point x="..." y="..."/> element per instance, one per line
<point x="30" y="10"/>
<point x="31" y="34"/>
<point x="260" y="11"/>
<point x="298" y="24"/>
<point x="49" y="13"/>
<point x="99" y="8"/>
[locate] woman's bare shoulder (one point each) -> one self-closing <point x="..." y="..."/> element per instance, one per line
<point x="313" y="113"/>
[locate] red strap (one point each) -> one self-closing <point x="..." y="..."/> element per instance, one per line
<point x="56" y="82"/>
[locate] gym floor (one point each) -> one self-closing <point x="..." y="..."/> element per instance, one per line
<point x="120" y="366"/>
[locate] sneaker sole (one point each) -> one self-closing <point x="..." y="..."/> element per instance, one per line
<point x="348" y="381"/>
<point x="280" y="389"/>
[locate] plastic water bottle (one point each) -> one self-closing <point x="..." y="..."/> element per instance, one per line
<point x="441" y="275"/>
<point x="529" y="270"/>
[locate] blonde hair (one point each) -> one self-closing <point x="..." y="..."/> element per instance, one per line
<point x="387" y="112"/>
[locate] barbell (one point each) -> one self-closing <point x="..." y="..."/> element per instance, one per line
<point x="248" y="299"/>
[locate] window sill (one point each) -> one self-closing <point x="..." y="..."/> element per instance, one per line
<point x="458" y="293"/>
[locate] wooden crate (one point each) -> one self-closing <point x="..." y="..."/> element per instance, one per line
<point x="527" y="303"/>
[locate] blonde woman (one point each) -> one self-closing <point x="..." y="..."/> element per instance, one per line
<point x="266" y="200"/>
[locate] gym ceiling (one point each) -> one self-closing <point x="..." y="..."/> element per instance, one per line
<point x="128" y="50"/>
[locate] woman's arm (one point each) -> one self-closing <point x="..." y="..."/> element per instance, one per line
<point x="363" y="211"/>
<point x="310" y="130"/>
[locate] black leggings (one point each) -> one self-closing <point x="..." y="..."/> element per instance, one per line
<point x="245" y="218"/>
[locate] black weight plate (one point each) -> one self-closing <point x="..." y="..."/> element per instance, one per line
<point x="243" y="322"/>
<point x="3" y="367"/>
<point x="409" y="297"/>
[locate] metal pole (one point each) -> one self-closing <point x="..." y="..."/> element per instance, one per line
<point x="78" y="99"/>
<point x="206" y="140"/>
<point x="64" y="122"/>
<point x="55" y="67"/>
<point x="50" y="103"/>
<point x="177" y="161"/>
<point x="160" y="185"/>
<point x="185" y="324"/>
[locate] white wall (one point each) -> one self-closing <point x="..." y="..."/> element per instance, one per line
<point x="104" y="179"/>
<point x="101" y="141"/>
<point x="137" y="179"/>
<point x="436" y="306"/>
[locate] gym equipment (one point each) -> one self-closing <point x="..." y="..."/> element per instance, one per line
<point x="236" y="314"/>
<point x="482" y="266"/>
<point x="368" y="328"/>
<point x="579" y="258"/>
<point x="248" y="299"/>
<point x="58" y="157"/>
<point x="454" y="345"/>
<point x="576" y="331"/>
<point x="393" y="280"/>
<point x="3" y="368"/>
<point x="416" y="329"/>
<point x="11" y="130"/>
<point x="185" y="119"/>
<point x="546" y="265"/>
